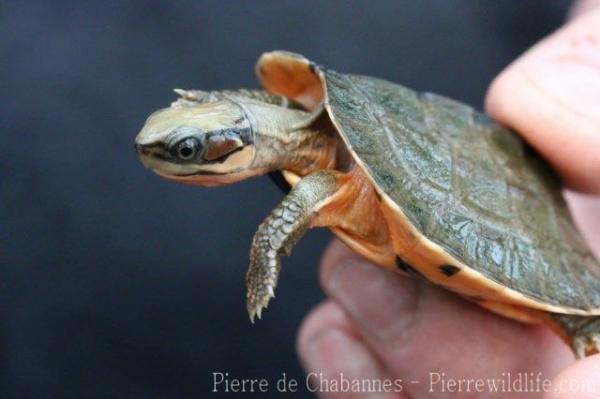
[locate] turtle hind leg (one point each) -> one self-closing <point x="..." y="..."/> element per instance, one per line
<point x="581" y="332"/>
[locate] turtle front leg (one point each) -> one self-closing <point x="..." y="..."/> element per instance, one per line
<point x="581" y="332"/>
<point x="280" y="231"/>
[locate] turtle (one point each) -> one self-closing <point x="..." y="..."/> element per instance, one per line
<point x="413" y="181"/>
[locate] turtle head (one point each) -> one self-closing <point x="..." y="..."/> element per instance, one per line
<point x="209" y="144"/>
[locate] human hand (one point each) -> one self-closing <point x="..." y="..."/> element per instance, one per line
<point x="378" y="325"/>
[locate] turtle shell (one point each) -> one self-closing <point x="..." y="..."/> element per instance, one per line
<point x="473" y="207"/>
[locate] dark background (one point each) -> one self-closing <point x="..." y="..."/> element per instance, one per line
<point x="116" y="283"/>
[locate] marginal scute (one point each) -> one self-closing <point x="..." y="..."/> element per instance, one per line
<point x="449" y="270"/>
<point x="405" y="267"/>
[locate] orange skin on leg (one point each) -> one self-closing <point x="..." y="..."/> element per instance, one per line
<point x="355" y="216"/>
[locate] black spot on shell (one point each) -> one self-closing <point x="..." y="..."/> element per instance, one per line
<point x="406" y="268"/>
<point x="401" y="264"/>
<point x="449" y="270"/>
<point x="312" y="66"/>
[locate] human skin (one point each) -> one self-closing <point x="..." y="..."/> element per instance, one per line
<point x="376" y="324"/>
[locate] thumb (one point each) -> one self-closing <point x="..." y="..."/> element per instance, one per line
<point x="551" y="96"/>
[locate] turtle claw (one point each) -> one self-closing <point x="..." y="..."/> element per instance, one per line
<point x="258" y="313"/>
<point x="596" y="340"/>
<point x="255" y="305"/>
<point x="586" y="345"/>
<point x="261" y="280"/>
<point x="579" y="347"/>
<point x="258" y="298"/>
<point x="581" y="332"/>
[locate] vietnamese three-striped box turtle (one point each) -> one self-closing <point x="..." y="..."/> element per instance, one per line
<point x="414" y="182"/>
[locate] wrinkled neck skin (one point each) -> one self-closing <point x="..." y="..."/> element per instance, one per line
<point x="292" y="140"/>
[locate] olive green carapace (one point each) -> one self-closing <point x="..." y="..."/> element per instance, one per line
<point x="469" y="185"/>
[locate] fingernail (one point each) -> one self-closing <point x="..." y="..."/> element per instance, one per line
<point x="382" y="303"/>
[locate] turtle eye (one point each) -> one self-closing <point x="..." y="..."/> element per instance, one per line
<point x="187" y="149"/>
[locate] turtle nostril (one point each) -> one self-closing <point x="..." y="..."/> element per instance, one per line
<point x="149" y="149"/>
<point x="140" y="148"/>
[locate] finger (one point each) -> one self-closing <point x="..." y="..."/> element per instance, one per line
<point x="578" y="381"/>
<point x="425" y="334"/>
<point x="582" y="7"/>
<point x="550" y="95"/>
<point x="586" y="212"/>
<point x="331" y="351"/>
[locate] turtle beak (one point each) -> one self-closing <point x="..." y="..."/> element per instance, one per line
<point x="148" y="152"/>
